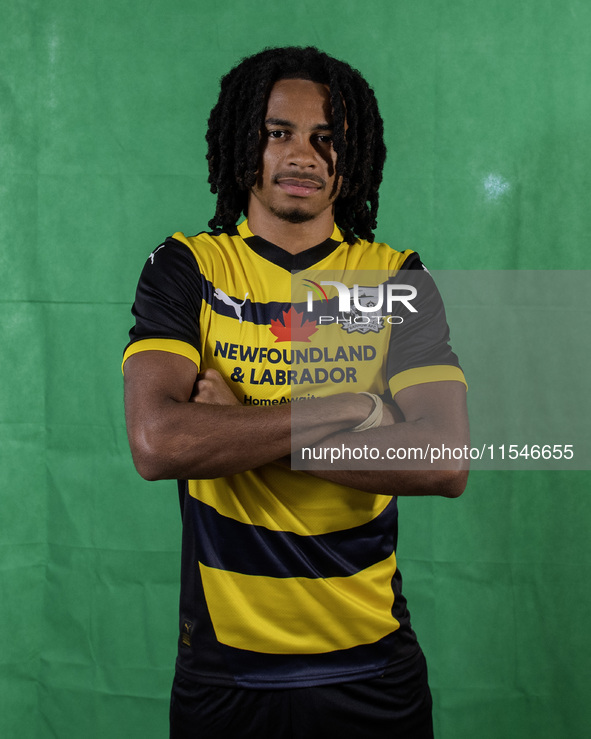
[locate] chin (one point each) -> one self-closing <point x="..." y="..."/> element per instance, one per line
<point x="293" y="215"/>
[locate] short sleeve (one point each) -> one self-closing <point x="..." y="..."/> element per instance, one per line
<point x="168" y="303"/>
<point x="419" y="349"/>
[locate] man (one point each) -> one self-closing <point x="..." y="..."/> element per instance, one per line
<point x="292" y="621"/>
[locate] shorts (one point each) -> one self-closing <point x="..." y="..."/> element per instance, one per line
<point x="392" y="706"/>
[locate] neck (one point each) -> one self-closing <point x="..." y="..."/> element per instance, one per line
<point x="293" y="237"/>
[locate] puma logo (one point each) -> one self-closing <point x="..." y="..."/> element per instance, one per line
<point x="221" y="295"/>
<point x="153" y="254"/>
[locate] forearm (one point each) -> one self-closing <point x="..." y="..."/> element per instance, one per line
<point x="186" y="425"/>
<point x="445" y="483"/>
<point x="188" y="440"/>
<point x="394" y="460"/>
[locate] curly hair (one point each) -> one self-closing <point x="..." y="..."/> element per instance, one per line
<point x="235" y="123"/>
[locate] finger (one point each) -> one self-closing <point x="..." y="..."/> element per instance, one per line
<point x="210" y="374"/>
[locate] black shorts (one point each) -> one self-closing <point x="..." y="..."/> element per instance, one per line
<point x="391" y="706"/>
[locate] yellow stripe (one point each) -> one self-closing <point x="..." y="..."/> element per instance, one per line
<point x="173" y="346"/>
<point x="299" y="506"/>
<point x="301" y="615"/>
<point x="419" y="375"/>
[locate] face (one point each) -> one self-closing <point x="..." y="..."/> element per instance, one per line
<point x="296" y="176"/>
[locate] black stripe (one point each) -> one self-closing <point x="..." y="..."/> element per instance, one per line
<point x="227" y="544"/>
<point x="262" y="313"/>
<point x="251" y="312"/>
<point x="287" y="261"/>
<point x="412" y="261"/>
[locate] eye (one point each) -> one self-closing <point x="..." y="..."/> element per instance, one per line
<point x="276" y="134"/>
<point x="324" y="138"/>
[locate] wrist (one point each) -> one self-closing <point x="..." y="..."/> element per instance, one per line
<point x="374" y="419"/>
<point x="348" y="409"/>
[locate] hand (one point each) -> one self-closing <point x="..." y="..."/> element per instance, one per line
<point x="212" y="389"/>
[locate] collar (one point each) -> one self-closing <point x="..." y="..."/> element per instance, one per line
<point x="282" y="258"/>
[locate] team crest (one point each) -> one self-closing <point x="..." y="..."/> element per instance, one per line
<point x="366" y="320"/>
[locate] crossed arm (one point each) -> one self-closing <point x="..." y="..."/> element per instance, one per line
<point x="186" y="425"/>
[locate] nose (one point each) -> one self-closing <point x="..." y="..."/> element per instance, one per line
<point x="302" y="152"/>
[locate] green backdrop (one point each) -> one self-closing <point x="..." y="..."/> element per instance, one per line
<point x="103" y="109"/>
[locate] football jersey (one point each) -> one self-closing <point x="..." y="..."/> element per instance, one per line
<point x="287" y="579"/>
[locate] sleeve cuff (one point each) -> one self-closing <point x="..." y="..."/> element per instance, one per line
<point x="420" y="375"/>
<point x="173" y="346"/>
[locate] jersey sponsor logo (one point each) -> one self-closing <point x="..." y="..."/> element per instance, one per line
<point x="331" y="360"/>
<point x="221" y="295"/>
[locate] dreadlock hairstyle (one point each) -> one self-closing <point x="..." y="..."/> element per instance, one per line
<point x="235" y="123"/>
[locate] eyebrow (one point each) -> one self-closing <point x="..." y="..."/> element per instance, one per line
<point x="289" y="124"/>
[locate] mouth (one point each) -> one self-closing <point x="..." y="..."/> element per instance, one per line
<point x="300" y="187"/>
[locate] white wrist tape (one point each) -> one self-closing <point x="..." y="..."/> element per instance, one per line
<point x="375" y="417"/>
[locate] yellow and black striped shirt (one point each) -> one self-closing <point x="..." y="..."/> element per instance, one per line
<point x="287" y="579"/>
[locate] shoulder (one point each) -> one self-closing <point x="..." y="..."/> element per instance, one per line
<point x="210" y="250"/>
<point x="364" y="254"/>
<point x="181" y="250"/>
<point x="170" y="261"/>
<point x="205" y="241"/>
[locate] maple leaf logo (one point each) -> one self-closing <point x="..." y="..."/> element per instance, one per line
<point x="292" y="328"/>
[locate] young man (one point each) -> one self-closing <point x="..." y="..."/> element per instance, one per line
<point x="292" y="621"/>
